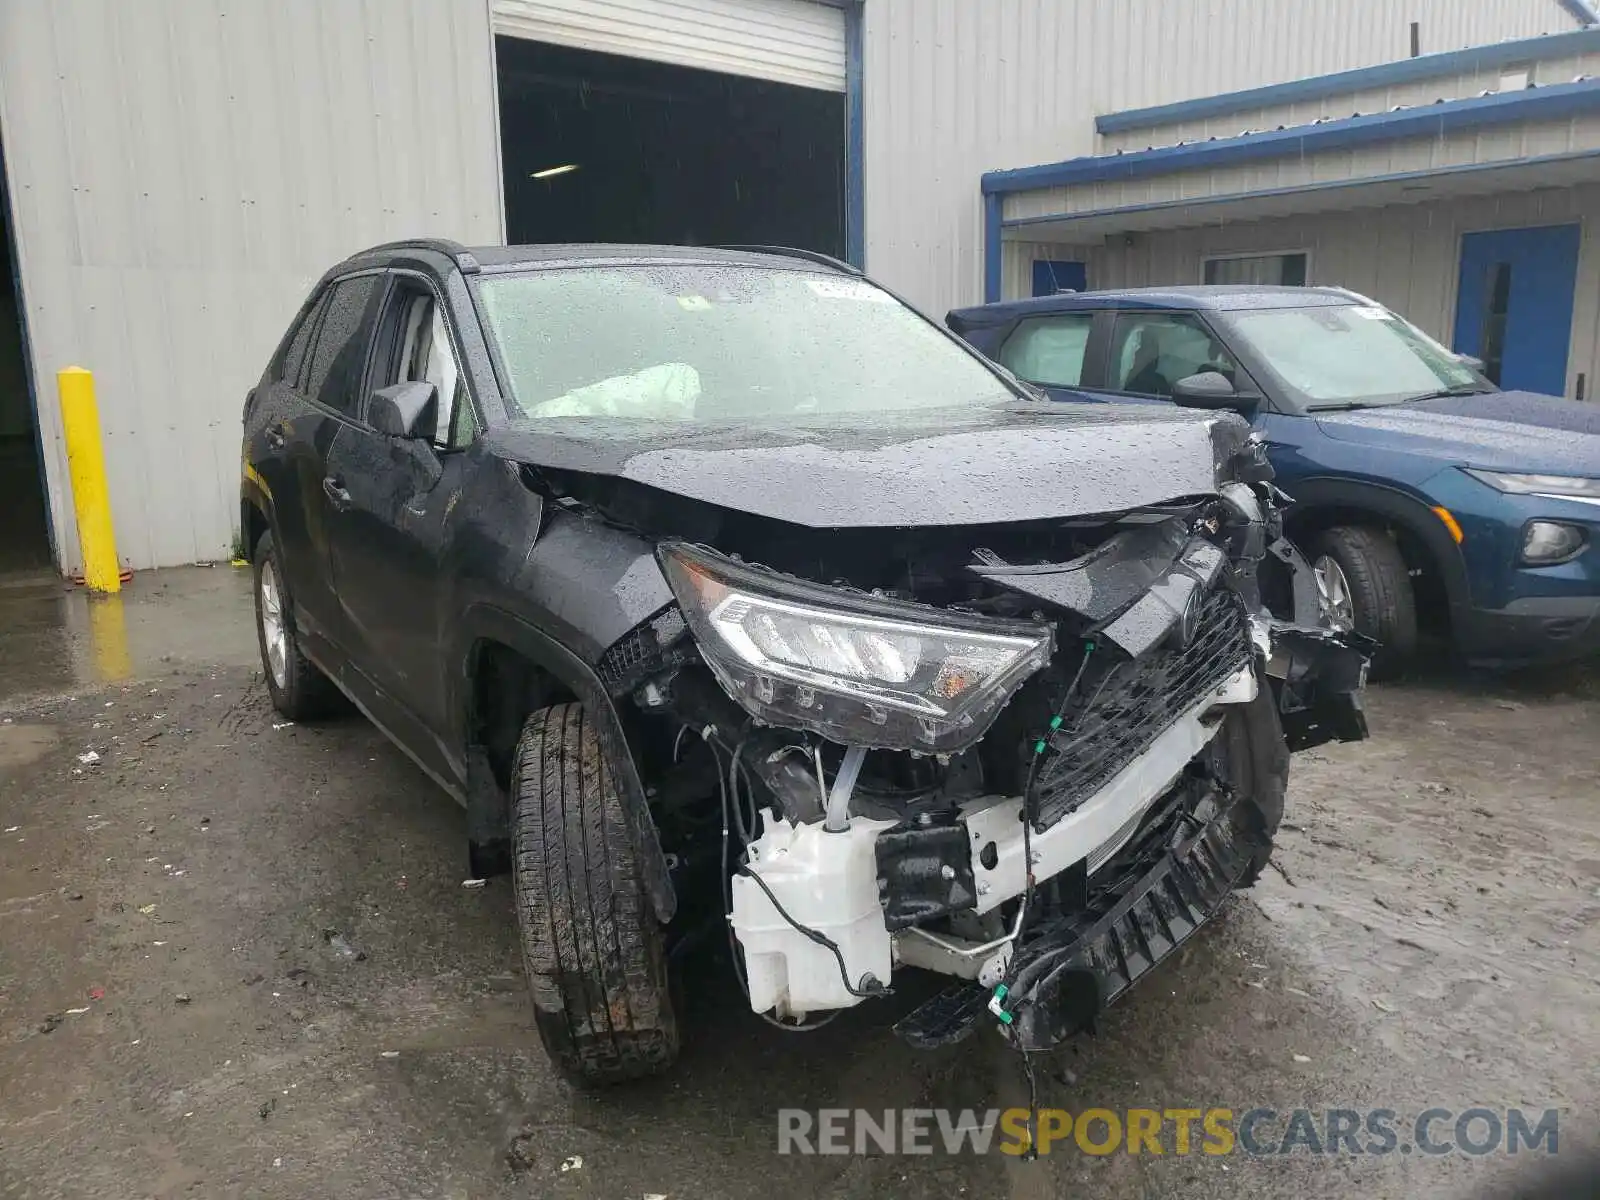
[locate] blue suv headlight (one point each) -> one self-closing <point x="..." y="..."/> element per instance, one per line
<point x="1573" y="487"/>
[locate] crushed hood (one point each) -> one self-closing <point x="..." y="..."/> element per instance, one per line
<point x="985" y="464"/>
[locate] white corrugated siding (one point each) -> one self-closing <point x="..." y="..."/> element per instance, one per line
<point x="789" y="41"/>
<point x="181" y="173"/>
<point x="1407" y="256"/>
<point x="958" y="87"/>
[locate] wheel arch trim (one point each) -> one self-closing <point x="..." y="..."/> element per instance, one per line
<point x="1398" y="507"/>
<point x="483" y="622"/>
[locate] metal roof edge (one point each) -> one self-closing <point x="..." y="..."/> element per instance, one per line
<point x="1425" y="66"/>
<point x="1557" y="100"/>
<point x="1298" y="189"/>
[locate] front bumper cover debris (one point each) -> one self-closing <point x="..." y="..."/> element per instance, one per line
<point x="1071" y="967"/>
<point x="1318" y="676"/>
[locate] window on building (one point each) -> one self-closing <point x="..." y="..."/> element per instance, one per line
<point x="1049" y="350"/>
<point x="1052" y="276"/>
<point x="1152" y="351"/>
<point x="1493" y="341"/>
<point x="1288" y="270"/>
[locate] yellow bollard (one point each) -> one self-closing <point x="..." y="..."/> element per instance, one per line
<point x="80" y="420"/>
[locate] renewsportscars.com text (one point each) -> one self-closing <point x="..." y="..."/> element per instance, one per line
<point x="1433" y="1132"/>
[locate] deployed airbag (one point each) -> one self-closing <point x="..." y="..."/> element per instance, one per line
<point x="666" y="393"/>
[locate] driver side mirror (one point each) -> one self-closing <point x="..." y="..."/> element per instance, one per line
<point x="1473" y="361"/>
<point x="406" y="410"/>
<point x="1210" y="389"/>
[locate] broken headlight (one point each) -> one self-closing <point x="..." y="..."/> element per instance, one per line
<point x="856" y="668"/>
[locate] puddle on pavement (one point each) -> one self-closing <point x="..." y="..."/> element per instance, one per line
<point x="54" y="637"/>
<point x="21" y="744"/>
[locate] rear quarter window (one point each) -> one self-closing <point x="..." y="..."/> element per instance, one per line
<point x="292" y="359"/>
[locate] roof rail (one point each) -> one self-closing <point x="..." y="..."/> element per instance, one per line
<point x="451" y="249"/>
<point x="816" y="256"/>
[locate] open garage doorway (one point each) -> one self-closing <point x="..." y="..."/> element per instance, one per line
<point x="24" y="526"/>
<point x="602" y="148"/>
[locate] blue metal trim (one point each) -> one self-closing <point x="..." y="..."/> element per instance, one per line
<point x="992" y="223"/>
<point x="1582" y="11"/>
<point x="1559" y="100"/>
<point x="1297" y="189"/>
<point x="855" y="203"/>
<point x="1426" y="66"/>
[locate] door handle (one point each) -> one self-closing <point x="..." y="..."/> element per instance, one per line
<point x="275" y="438"/>
<point x="337" y="492"/>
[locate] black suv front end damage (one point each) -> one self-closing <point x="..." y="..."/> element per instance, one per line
<point x="1033" y="757"/>
<point x="732" y="595"/>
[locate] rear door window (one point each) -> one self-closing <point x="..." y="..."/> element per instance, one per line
<point x="339" y="358"/>
<point x="1049" y="350"/>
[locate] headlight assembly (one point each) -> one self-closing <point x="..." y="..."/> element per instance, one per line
<point x="855" y="668"/>
<point x="1575" y="487"/>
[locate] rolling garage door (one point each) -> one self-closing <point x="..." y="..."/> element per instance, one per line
<point x="787" y="41"/>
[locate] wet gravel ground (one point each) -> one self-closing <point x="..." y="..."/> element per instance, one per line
<point x="289" y="993"/>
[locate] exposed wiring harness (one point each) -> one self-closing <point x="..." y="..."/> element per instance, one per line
<point x="1003" y="989"/>
<point x="734" y="819"/>
<point x="1042" y="743"/>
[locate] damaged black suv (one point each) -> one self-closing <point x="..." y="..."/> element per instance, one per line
<point x="726" y="591"/>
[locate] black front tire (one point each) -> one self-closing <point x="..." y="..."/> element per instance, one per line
<point x="1384" y="603"/>
<point x="594" y="952"/>
<point x="299" y="689"/>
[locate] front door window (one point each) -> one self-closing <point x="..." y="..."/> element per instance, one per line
<point x="1152" y="351"/>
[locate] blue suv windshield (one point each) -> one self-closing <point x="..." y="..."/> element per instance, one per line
<point x="1350" y="355"/>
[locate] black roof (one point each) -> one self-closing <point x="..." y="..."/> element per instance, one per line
<point x="1216" y="297"/>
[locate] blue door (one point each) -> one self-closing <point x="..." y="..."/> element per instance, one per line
<point x="1514" y="307"/>
<point x="1053" y="275"/>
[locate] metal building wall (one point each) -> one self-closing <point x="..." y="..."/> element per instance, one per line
<point x="958" y="87"/>
<point x="1407" y="257"/>
<point x="181" y="172"/>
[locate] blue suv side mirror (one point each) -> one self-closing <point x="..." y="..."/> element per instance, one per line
<point x="1210" y="389"/>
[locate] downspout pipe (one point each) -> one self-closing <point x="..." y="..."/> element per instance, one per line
<point x="1583" y="11"/>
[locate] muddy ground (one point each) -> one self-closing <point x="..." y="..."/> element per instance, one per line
<point x="289" y="993"/>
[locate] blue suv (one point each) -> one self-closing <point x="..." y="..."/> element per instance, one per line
<point x="1429" y="501"/>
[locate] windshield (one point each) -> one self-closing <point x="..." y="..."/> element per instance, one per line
<point x="686" y="342"/>
<point x="1335" y="356"/>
